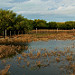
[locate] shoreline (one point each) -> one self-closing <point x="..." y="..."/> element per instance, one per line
<point x="27" y="38"/>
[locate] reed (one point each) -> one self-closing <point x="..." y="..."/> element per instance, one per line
<point x="57" y="59"/>
<point x="5" y="70"/>
<point x="26" y="38"/>
<point x="24" y="55"/>
<point x="28" y="63"/>
<point x="38" y="54"/>
<point x="8" y="50"/>
<point x="69" y="58"/>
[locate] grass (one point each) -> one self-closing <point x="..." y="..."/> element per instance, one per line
<point x="8" y="51"/>
<point x="5" y="70"/>
<point x="47" y="58"/>
<point x="26" y="38"/>
<point x="43" y="35"/>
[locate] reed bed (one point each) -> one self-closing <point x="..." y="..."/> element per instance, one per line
<point x="5" y="70"/>
<point x="47" y="58"/>
<point x="8" y="50"/>
<point x="39" y="59"/>
<point x="26" y="38"/>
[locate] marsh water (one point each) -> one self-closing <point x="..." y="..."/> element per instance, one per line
<point x="48" y="64"/>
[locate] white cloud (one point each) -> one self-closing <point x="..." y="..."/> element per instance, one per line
<point x="43" y="7"/>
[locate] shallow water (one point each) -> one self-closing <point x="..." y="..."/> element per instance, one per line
<point x="50" y="65"/>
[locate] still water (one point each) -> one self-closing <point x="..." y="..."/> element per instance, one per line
<point x="48" y="65"/>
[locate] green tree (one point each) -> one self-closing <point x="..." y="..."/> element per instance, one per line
<point x="40" y="24"/>
<point x="6" y="19"/>
<point x="52" y="25"/>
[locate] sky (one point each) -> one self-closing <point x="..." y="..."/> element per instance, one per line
<point x="49" y="10"/>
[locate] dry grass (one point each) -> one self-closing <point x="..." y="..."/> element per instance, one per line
<point x="42" y="59"/>
<point x="6" y="51"/>
<point x="9" y="50"/>
<point x="38" y="54"/>
<point x="58" y="59"/>
<point x="5" y="70"/>
<point x="43" y="35"/>
<point x="28" y="63"/>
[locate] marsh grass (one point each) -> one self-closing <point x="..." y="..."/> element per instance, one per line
<point x="9" y="51"/>
<point x="40" y="59"/>
<point x="43" y="35"/>
<point x="5" y="70"/>
<point x="46" y="59"/>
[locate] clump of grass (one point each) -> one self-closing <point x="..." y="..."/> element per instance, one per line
<point x="28" y="63"/>
<point x="33" y="57"/>
<point x="24" y="54"/>
<point x="69" y="58"/>
<point x="38" y="54"/>
<point x="8" y="50"/>
<point x="38" y="63"/>
<point x="30" y="54"/>
<point x="5" y="70"/>
<point x="45" y="54"/>
<point x="57" y="59"/>
<point x="19" y="58"/>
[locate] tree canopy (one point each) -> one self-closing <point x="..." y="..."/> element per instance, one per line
<point x="10" y="21"/>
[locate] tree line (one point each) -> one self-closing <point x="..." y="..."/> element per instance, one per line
<point x="15" y="24"/>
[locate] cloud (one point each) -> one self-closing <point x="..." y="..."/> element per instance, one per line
<point x="41" y="7"/>
<point x="18" y="1"/>
<point x="44" y="0"/>
<point x="51" y="17"/>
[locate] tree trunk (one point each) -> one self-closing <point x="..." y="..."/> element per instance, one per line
<point x="14" y="32"/>
<point x="18" y="32"/>
<point x="10" y="33"/>
<point x="22" y="32"/>
<point x="5" y="33"/>
<point x="36" y="30"/>
<point x="57" y="29"/>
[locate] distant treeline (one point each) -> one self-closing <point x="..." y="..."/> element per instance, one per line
<point x="12" y="24"/>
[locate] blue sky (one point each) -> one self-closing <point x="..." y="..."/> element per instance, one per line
<point x="49" y="10"/>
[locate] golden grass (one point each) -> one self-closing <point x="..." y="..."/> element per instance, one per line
<point x="5" y="51"/>
<point x="5" y="70"/>
<point x="9" y="50"/>
<point x="69" y="58"/>
<point x="58" y="59"/>
<point x="56" y="56"/>
<point x="38" y="54"/>
<point x="38" y="63"/>
<point x="24" y="54"/>
<point x="28" y="63"/>
<point x="52" y="34"/>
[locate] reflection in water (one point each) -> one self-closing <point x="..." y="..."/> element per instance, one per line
<point x="47" y="58"/>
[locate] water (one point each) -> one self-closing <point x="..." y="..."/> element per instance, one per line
<point x="49" y="65"/>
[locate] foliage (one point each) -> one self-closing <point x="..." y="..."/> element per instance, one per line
<point x="10" y="21"/>
<point x="52" y="25"/>
<point x="40" y="24"/>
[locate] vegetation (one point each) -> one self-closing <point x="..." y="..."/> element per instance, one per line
<point x="11" y="24"/>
